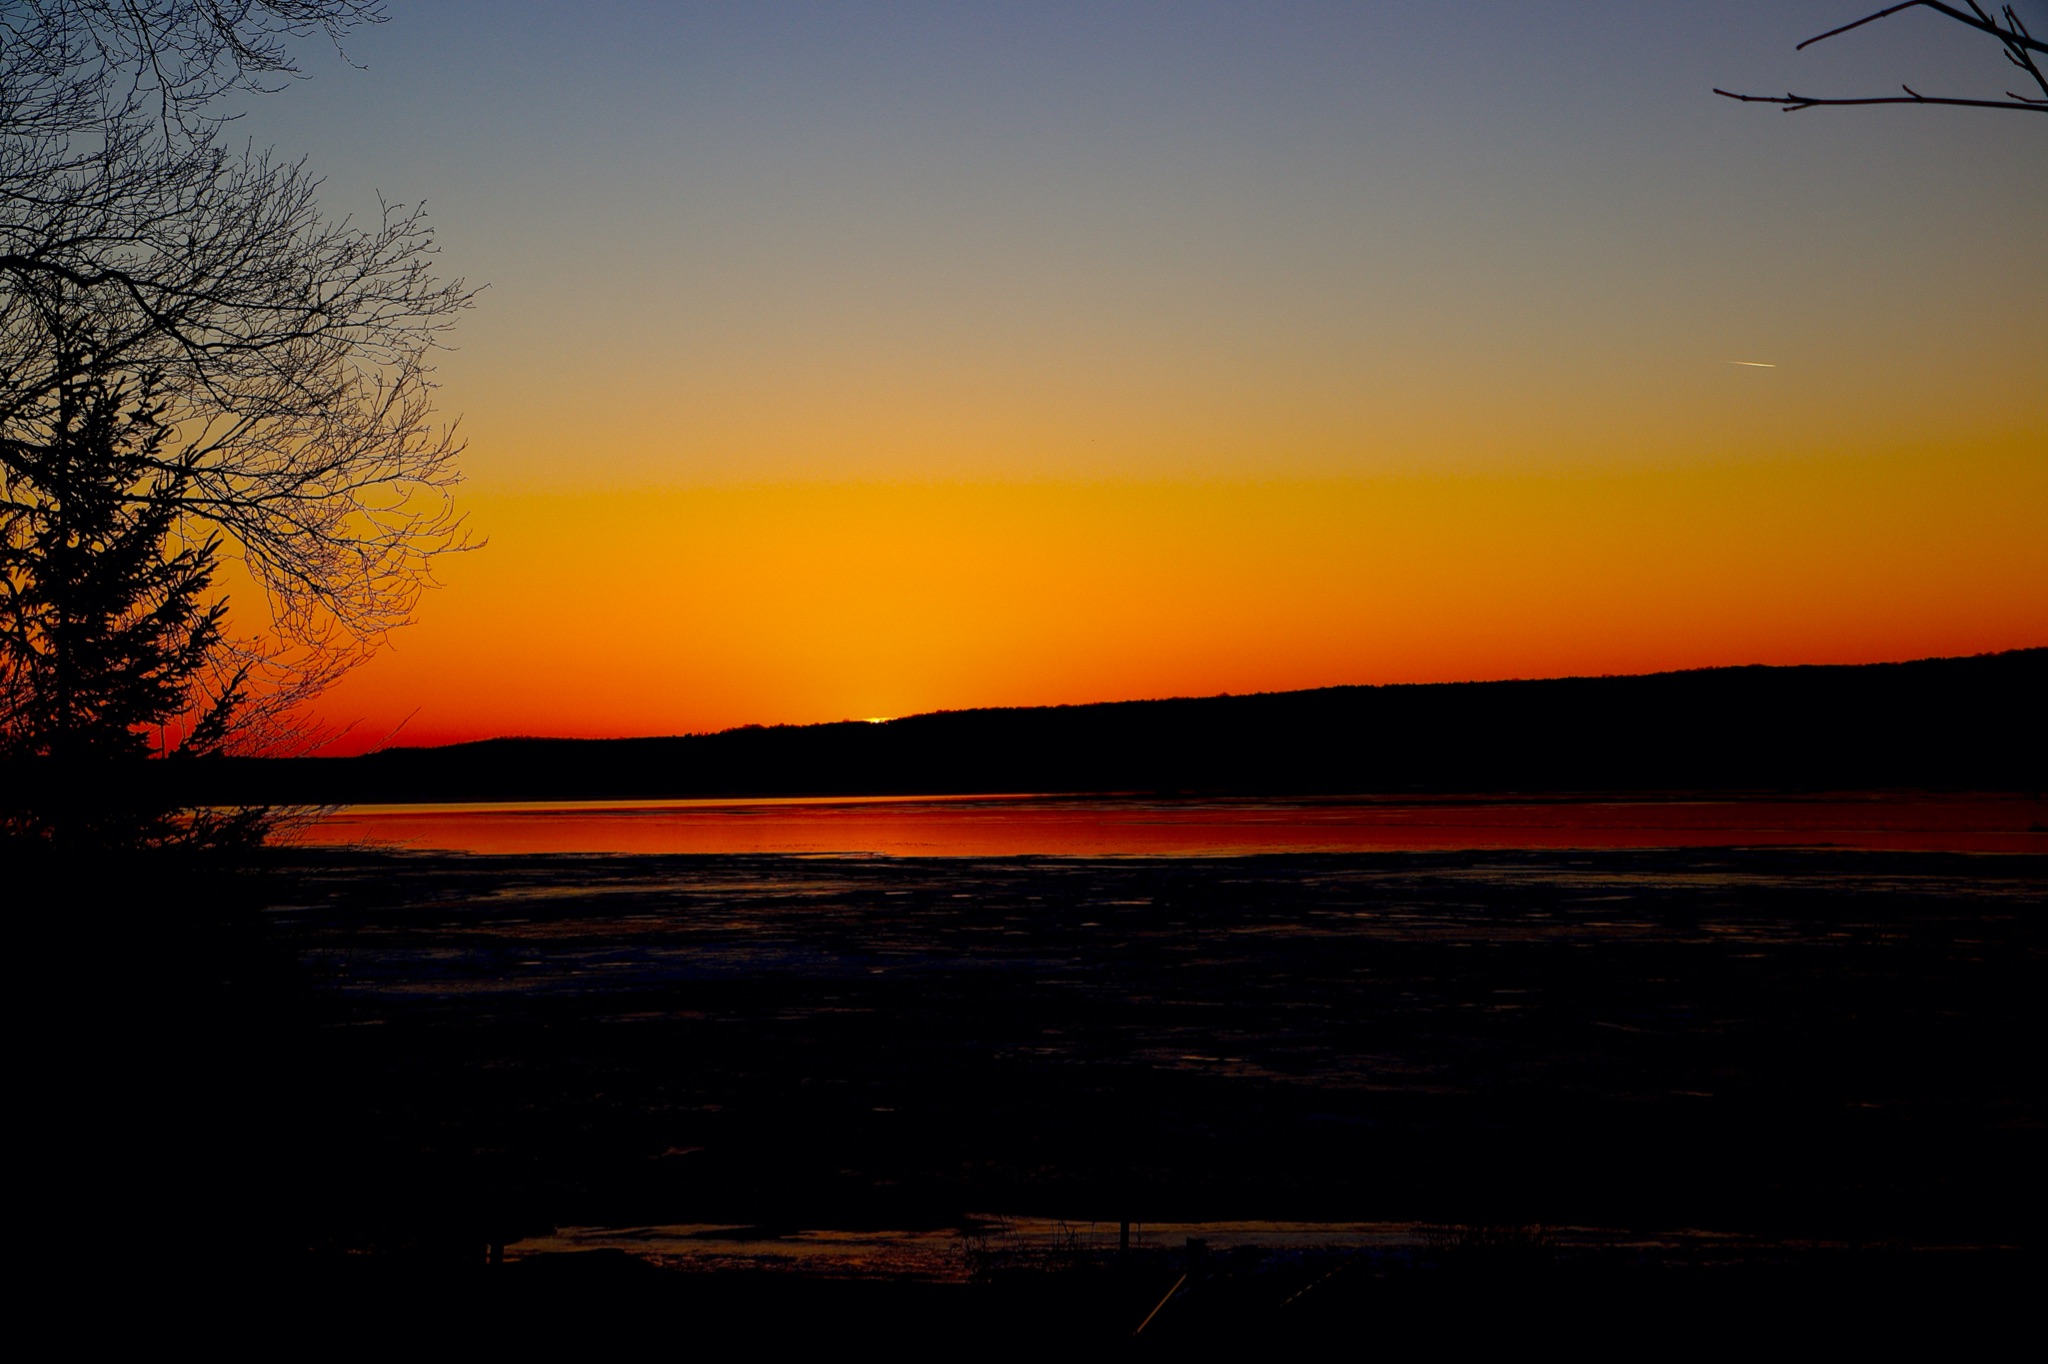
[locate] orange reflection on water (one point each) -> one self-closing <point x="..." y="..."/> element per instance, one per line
<point x="1004" y="826"/>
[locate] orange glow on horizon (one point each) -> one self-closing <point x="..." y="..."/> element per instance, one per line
<point x="657" y="611"/>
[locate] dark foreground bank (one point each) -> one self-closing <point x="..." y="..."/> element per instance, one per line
<point x="1189" y="1303"/>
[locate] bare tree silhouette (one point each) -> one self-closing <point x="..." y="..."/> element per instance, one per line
<point x="82" y="59"/>
<point x="287" y="358"/>
<point x="2020" y="48"/>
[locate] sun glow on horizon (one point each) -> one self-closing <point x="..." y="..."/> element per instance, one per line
<point x="675" y="611"/>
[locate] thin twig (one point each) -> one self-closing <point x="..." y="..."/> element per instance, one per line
<point x="2022" y="38"/>
<point x="1794" y="103"/>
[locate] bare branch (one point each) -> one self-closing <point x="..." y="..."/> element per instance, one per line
<point x="289" y="357"/>
<point x="1977" y="21"/>
<point x="1794" y="103"/>
<point x="2019" y="44"/>
<point x="178" y="58"/>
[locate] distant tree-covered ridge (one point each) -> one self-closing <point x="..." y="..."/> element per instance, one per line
<point x="1974" y="723"/>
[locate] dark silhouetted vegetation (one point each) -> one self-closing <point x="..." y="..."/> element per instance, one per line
<point x="110" y="632"/>
<point x="1965" y="723"/>
<point x="195" y="365"/>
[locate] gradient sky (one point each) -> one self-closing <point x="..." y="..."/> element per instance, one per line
<point x="861" y="359"/>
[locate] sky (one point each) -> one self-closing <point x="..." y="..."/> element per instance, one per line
<point x="852" y="360"/>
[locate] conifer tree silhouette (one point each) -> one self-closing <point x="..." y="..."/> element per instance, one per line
<point x="112" y="640"/>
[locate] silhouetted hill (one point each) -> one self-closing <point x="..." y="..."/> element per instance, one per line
<point x="1953" y="722"/>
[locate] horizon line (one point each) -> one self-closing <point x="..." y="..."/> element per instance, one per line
<point x="1164" y="700"/>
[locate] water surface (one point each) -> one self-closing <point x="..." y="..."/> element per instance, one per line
<point x="753" y="1060"/>
<point x="1006" y="826"/>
